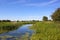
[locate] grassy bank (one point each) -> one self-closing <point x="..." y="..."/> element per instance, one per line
<point x="46" y="31"/>
<point x="9" y="26"/>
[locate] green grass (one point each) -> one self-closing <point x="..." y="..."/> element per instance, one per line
<point x="46" y="31"/>
<point x="9" y="26"/>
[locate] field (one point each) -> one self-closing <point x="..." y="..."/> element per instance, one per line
<point x="46" y="31"/>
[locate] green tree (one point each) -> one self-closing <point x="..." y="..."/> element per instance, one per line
<point x="45" y="18"/>
<point x="17" y="20"/>
<point x="56" y="15"/>
<point x="0" y="20"/>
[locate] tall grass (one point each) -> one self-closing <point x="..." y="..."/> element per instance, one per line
<point x="46" y="31"/>
<point x="9" y="26"/>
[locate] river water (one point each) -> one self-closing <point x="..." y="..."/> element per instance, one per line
<point x="21" y="31"/>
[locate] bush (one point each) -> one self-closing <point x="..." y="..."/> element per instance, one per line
<point x="45" y="18"/>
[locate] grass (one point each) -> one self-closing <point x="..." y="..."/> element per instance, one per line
<point x="9" y="26"/>
<point x="46" y="31"/>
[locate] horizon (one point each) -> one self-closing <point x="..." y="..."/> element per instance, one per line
<point x="27" y="9"/>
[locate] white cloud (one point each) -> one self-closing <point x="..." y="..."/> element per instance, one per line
<point x="30" y="18"/>
<point x="25" y="2"/>
<point x="42" y="4"/>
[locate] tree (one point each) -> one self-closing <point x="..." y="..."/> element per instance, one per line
<point x="6" y="20"/>
<point x="56" y="15"/>
<point x="45" y="18"/>
<point x="17" y="20"/>
<point x="0" y="20"/>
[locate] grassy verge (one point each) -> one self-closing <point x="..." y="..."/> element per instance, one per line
<point x="46" y="31"/>
<point x="9" y="26"/>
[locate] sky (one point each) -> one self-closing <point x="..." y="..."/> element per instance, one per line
<point x="27" y="9"/>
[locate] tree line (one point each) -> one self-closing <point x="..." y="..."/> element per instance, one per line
<point x="5" y="20"/>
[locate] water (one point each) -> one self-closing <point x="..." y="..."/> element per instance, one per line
<point x="21" y="31"/>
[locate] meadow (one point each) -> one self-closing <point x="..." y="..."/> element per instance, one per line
<point x="46" y="31"/>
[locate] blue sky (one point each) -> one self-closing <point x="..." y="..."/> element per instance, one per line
<point x="27" y="9"/>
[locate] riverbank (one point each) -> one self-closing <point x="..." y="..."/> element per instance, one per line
<point x="22" y="33"/>
<point x="46" y="31"/>
<point x="9" y="26"/>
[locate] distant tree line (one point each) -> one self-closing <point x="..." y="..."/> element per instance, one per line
<point x="5" y="20"/>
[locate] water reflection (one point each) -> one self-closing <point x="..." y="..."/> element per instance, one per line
<point x="19" y="33"/>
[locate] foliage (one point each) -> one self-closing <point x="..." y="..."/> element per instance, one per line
<point x="46" y="31"/>
<point x="56" y="15"/>
<point x="9" y="26"/>
<point x="45" y="18"/>
<point x="5" y="20"/>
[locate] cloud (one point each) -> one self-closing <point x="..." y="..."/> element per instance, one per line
<point x="42" y="4"/>
<point x="25" y="2"/>
<point x="30" y="17"/>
